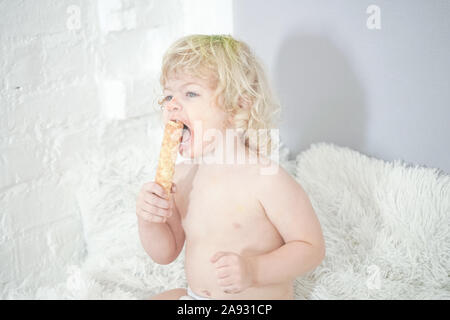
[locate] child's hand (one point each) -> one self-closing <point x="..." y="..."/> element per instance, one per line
<point x="234" y="272"/>
<point x="152" y="203"/>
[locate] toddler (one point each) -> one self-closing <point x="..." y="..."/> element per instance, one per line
<point x="248" y="232"/>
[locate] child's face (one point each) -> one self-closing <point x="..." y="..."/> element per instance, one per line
<point x="190" y="100"/>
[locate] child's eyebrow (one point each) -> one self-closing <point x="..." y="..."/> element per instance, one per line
<point x="184" y="85"/>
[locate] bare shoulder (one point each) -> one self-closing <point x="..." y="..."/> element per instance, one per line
<point x="273" y="179"/>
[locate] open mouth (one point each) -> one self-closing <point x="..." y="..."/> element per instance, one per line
<point x="186" y="134"/>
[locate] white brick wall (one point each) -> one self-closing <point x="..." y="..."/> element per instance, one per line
<point x="78" y="77"/>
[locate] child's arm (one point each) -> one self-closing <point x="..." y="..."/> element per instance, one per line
<point x="163" y="242"/>
<point x="289" y="209"/>
<point x="162" y="239"/>
<point x="152" y="210"/>
<point x="157" y="240"/>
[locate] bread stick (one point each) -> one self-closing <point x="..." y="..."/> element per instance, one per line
<point x="168" y="154"/>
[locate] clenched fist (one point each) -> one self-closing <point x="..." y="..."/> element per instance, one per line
<point x="233" y="271"/>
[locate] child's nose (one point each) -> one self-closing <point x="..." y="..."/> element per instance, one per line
<point x="173" y="105"/>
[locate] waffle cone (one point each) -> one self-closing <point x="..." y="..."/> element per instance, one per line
<point x="168" y="154"/>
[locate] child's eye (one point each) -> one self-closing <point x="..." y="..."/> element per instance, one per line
<point x="191" y="94"/>
<point x="167" y="98"/>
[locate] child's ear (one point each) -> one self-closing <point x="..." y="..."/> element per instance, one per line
<point x="245" y="102"/>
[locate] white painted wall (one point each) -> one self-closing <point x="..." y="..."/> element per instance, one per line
<point x="79" y="82"/>
<point x="384" y="92"/>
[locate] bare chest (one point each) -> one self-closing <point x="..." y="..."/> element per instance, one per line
<point x="223" y="209"/>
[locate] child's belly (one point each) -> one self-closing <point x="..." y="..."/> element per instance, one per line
<point x="201" y="277"/>
<point x="245" y="233"/>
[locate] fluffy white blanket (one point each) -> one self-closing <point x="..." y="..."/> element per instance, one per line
<point x="386" y="227"/>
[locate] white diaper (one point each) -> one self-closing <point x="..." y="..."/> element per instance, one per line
<point x="192" y="296"/>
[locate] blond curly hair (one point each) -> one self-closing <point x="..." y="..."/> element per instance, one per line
<point x="238" y="77"/>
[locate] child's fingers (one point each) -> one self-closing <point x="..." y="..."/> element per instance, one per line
<point x="217" y="256"/>
<point x="156" y="189"/>
<point x="156" y="219"/>
<point x="156" y="201"/>
<point x="223" y="273"/>
<point x="230" y="289"/>
<point x="155" y="210"/>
